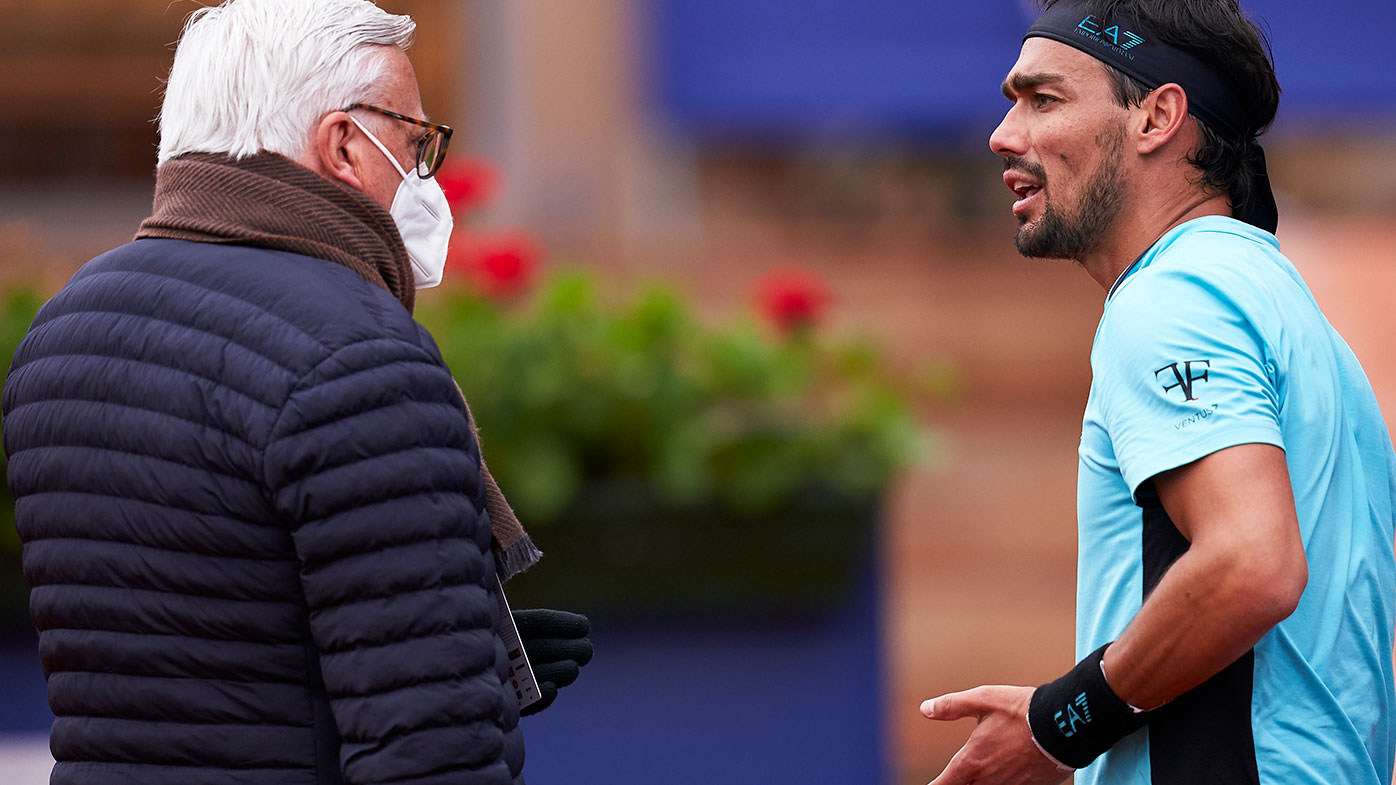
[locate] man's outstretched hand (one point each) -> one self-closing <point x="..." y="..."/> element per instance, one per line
<point x="1000" y="750"/>
<point x="557" y="646"/>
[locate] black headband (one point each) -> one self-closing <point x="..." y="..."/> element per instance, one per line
<point x="1131" y="48"/>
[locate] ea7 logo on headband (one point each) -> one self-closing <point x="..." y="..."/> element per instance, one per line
<point x="1184" y="377"/>
<point x="1113" y="33"/>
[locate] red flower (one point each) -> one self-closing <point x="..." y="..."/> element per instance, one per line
<point x="792" y="298"/>
<point x="468" y="183"/>
<point x="499" y="266"/>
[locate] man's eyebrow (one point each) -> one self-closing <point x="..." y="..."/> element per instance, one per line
<point x="1017" y="83"/>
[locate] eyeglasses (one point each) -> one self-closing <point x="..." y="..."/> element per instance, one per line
<point x="431" y="148"/>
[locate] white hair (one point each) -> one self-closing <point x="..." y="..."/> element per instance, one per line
<point x="255" y="75"/>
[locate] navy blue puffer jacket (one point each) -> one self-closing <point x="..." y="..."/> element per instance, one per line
<point x="254" y="525"/>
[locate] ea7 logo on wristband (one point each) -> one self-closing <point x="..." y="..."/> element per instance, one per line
<point x="1184" y="377"/>
<point x="1078" y="716"/>
<point x="1069" y="718"/>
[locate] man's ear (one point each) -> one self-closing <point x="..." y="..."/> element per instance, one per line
<point x="1161" y="117"/>
<point x="336" y="159"/>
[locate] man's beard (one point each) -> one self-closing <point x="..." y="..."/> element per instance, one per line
<point x="1059" y="235"/>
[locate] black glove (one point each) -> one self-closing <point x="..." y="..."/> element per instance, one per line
<point x="557" y="646"/>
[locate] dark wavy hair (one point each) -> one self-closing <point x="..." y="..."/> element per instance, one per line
<point x="1220" y="34"/>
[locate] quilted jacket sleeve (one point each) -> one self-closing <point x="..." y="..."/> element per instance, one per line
<point x="375" y="469"/>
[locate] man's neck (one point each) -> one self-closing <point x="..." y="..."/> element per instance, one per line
<point x="1139" y="229"/>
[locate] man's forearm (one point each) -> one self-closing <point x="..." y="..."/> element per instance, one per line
<point x="1211" y="607"/>
<point x="1243" y="572"/>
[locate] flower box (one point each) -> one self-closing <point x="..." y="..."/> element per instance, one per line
<point x="615" y="550"/>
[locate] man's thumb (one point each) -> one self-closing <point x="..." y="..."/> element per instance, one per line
<point x="948" y="707"/>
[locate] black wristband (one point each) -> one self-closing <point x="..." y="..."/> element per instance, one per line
<point x="1077" y="717"/>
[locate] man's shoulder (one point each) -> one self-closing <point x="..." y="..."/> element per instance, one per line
<point x="1209" y="264"/>
<point x="1217" y="248"/>
<point x="299" y="299"/>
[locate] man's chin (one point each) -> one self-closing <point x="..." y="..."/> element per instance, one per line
<point x="1025" y="239"/>
<point x="1029" y="244"/>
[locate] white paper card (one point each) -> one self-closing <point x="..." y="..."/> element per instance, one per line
<point x="520" y="672"/>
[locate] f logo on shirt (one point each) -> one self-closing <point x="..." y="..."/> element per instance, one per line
<point x="1184" y="377"/>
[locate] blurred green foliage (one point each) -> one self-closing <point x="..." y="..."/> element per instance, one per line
<point x="573" y="388"/>
<point x="645" y="441"/>
<point x="17" y="310"/>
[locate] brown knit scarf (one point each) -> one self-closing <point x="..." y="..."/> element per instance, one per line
<point x="269" y="201"/>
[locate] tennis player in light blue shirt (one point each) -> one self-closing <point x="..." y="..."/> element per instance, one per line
<point x="1236" y="589"/>
<point x="1209" y="341"/>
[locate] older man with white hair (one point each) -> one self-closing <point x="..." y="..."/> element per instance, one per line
<point x="262" y="544"/>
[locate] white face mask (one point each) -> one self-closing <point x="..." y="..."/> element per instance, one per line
<point x="423" y="218"/>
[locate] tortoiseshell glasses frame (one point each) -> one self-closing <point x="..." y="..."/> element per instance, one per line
<point x="431" y="148"/>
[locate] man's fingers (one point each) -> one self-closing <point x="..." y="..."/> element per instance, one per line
<point x="999" y="749"/>
<point x="578" y="650"/>
<point x="548" y="623"/>
<point x="952" y="706"/>
<point x="560" y="673"/>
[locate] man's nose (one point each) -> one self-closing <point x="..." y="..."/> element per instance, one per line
<point x="1008" y="140"/>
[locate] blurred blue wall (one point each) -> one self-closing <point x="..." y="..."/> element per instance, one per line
<point x="792" y="69"/>
<point x="737" y="700"/>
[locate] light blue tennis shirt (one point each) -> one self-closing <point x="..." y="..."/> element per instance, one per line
<point x="1212" y="340"/>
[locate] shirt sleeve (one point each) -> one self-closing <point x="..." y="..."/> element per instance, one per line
<point x="1184" y="371"/>
<point x="374" y="467"/>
